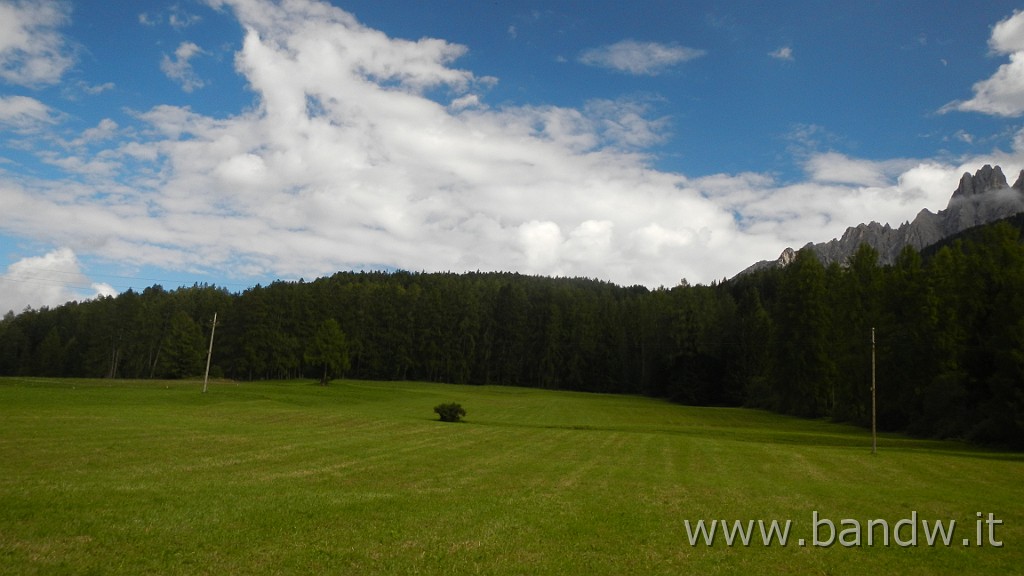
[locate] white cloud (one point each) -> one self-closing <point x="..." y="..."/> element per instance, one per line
<point x="777" y="216"/>
<point x="180" y="69"/>
<point x="1003" y="93"/>
<point x="835" y="168"/>
<point x="624" y="123"/>
<point x="963" y="136"/>
<point x="1008" y="34"/>
<point x="105" y="130"/>
<point x="32" y="51"/>
<point x="344" y="161"/>
<point x="783" y="53"/>
<point x="49" y="280"/>
<point x="179" y="19"/>
<point x="93" y="90"/>
<point x="542" y="242"/>
<point x="640" y="58"/>
<point x="24" y="114"/>
<point x="466" y="101"/>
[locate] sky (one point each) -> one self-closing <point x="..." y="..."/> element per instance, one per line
<point x="237" y="142"/>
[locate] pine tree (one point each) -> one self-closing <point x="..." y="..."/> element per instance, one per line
<point x="328" y="350"/>
<point x="802" y="365"/>
<point x="183" y="353"/>
<point x="855" y="292"/>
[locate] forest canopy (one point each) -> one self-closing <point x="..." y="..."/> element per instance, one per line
<point x="797" y="340"/>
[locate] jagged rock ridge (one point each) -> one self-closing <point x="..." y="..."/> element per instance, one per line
<point x="980" y="199"/>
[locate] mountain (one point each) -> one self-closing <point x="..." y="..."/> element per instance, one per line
<point x="980" y="199"/>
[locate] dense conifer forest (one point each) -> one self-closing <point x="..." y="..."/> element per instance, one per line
<point x="797" y="340"/>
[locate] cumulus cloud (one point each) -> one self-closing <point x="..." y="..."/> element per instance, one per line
<point x="345" y="161"/>
<point x="1003" y="93"/>
<point x="49" y="280"/>
<point x="24" y="114"/>
<point x="32" y="50"/>
<point x="105" y="130"/>
<point x="625" y="123"/>
<point x="1008" y="34"/>
<point x="362" y="150"/>
<point x="779" y="215"/>
<point x="179" y="68"/>
<point x="639" y="58"/>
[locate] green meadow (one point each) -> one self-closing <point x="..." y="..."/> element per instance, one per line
<point x="136" y="477"/>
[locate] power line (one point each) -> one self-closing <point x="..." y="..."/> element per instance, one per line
<point x="41" y="280"/>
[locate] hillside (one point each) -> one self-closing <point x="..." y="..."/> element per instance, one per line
<point x="973" y="235"/>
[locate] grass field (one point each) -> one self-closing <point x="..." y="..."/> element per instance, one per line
<point x="110" y="477"/>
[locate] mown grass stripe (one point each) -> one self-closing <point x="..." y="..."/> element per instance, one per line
<point x="360" y="477"/>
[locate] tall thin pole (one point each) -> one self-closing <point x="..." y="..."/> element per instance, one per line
<point x="874" y="436"/>
<point x="209" y="354"/>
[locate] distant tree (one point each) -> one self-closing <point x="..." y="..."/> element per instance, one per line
<point x="995" y="362"/>
<point x="696" y="367"/>
<point x="13" y="346"/>
<point x="855" y="293"/>
<point x="749" y="349"/>
<point x="509" y="324"/>
<point x="329" y="350"/>
<point x="802" y="367"/>
<point x="50" y="355"/>
<point x="183" y="354"/>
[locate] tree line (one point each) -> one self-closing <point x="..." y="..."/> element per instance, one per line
<point x="797" y="340"/>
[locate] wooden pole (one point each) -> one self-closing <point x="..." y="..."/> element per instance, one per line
<point x="209" y="354"/>
<point x="874" y="435"/>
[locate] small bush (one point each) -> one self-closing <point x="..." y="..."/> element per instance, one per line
<point x="450" y="412"/>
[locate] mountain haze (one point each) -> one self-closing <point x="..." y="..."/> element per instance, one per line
<point x="982" y="198"/>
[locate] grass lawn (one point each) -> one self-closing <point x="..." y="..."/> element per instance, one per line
<point x="126" y="477"/>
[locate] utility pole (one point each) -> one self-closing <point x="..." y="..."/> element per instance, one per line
<point x="874" y="436"/>
<point x="209" y="354"/>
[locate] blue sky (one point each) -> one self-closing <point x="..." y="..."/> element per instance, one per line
<point x="240" y="141"/>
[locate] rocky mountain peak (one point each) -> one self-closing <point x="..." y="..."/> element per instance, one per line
<point x="1019" y="184"/>
<point x="988" y="178"/>
<point x="984" y="180"/>
<point x="787" y="257"/>
<point x="981" y="198"/>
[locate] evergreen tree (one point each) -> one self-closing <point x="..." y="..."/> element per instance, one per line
<point x="856" y="293"/>
<point x="945" y="405"/>
<point x="749" y="352"/>
<point x="328" y="350"/>
<point x="909" y="355"/>
<point x="802" y="366"/>
<point x="996" y="364"/>
<point x="50" y="356"/>
<point x="184" y="351"/>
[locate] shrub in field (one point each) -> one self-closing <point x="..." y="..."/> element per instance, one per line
<point x="450" y="412"/>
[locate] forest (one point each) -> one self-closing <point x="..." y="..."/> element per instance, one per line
<point x="948" y="326"/>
